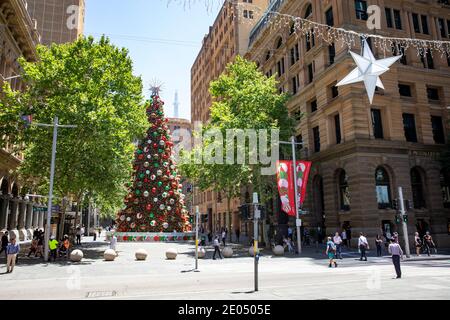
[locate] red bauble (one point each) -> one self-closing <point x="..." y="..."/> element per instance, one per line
<point x="149" y="207"/>
<point x="154" y="190"/>
<point x="140" y="157"/>
<point x="155" y="145"/>
<point x="146" y="180"/>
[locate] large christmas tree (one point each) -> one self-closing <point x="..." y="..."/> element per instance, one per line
<point x="155" y="202"/>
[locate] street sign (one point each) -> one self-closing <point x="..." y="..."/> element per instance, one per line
<point x="257" y="214"/>
<point x="39" y="209"/>
<point x="299" y="222"/>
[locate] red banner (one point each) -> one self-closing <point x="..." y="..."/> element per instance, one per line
<point x="286" y="188"/>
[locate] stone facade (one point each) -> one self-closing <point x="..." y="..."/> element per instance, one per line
<point x="58" y="21"/>
<point x="227" y="38"/>
<point x="363" y="153"/>
<point x="17" y="38"/>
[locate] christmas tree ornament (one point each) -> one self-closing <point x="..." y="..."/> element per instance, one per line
<point x="162" y="207"/>
<point x="146" y="194"/>
<point x="153" y="177"/>
<point x="159" y="173"/>
<point x="146" y="164"/>
<point x="169" y="208"/>
<point x="160" y="184"/>
<point x="139" y="216"/>
<point x="165" y="225"/>
<point x="368" y="70"/>
<point x="155" y="200"/>
<point x="128" y="219"/>
<point x="153" y="223"/>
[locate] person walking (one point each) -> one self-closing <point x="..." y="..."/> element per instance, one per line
<point x="33" y="248"/>
<point x="344" y="238"/>
<point x="12" y="250"/>
<point x="217" y="248"/>
<point x="290" y="233"/>
<point x="429" y="244"/>
<point x="113" y="242"/>
<point x="224" y="237"/>
<point x="238" y="234"/>
<point x="331" y="252"/>
<point x="5" y="242"/>
<point x="338" y="243"/>
<point x="53" y="246"/>
<point x="78" y="236"/>
<point x="40" y="244"/>
<point x="418" y="243"/>
<point x="397" y="253"/>
<point x="379" y="244"/>
<point x="363" y="246"/>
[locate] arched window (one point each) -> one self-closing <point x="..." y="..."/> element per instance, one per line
<point x="268" y="55"/>
<point x="279" y="43"/>
<point x="292" y="28"/>
<point x="383" y="188"/>
<point x="417" y="189"/>
<point x="4" y="186"/>
<point x="445" y="187"/>
<point x="344" y="193"/>
<point x="308" y="11"/>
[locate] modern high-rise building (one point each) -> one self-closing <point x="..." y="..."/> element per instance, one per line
<point x="227" y="38"/>
<point x="362" y="153"/>
<point x="58" y="21"/>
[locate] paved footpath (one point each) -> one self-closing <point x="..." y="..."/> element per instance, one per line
<point x="288" y="277"/>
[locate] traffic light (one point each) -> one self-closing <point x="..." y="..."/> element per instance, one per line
<point x="405" y="218"/>
<point x="398" y="219"/>
<point x="395" y="204"/>
<point x="263" y="211"/>
<point x="191" y="219"/>
<point x="244" y="212"/>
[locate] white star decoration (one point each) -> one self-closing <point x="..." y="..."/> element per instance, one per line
<point x="369" y="70"/>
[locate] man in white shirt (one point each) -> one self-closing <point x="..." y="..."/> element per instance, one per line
<point x="363" y="245"/>
<point x="217" y="248"/>
<point x="397" y="253"/>
<point x="344" y="238"/>
<point x="338" y="242"/>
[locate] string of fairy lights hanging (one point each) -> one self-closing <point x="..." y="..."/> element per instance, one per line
<point x="349" y="38"/>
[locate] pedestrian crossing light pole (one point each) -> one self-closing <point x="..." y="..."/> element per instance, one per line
<point x="256" y="217"/>
<point x="197" y="215"/>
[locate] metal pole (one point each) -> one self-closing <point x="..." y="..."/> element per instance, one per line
<point x="255" y="234"/>
<point x="404" y="224"/>
<point x="197" y="214"/>
<point x="294" y="158"/>
<point x="89" y="218"/>
<point x="50" y="193"/>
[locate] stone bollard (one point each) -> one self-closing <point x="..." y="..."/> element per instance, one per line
<point x="76" y="256"/>
<point x="227" y="252"/>
<point x="201" y="253"/>
<point x="278" y="251"/>
<point x="171" y="254"/>
<point x="110" y="255"/>
<point x="251" y="251"/>
<point x="141" y="255"/>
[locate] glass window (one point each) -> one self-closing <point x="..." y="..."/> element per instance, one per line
<point x="409" y="123"/>
<point x="433" y="94"/>
<point x="441" y="23"/>
<point x="425" y="24"/>
<point x="388" y="13"/>
<point x="404" y="90"/>
<point x="337" y="128"/>
<point x="316" y="135"/>
<point x="383" y="188"/>
<point x="329" y="17"/>
<point x="417" y="189"/>
<point x="313" y="105"/>
<point x="445" y="187"/>
<point x="310" y="73"/>
<point x="344" y="192"/>
<point x="438" y="130"/>
<point x="309" y="11"/>
<point x="331" y="54"/>
<point x="377" y="124"/>
<point x="397" y="19"/>
<point x="416" y="24"/>
<point x="361" y="10"/>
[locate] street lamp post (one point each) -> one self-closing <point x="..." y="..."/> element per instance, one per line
<point x="297" y="204"/>
<point x="55" y="126"/>
<point x="197" y="215"/>
<point x="256" y="217"/>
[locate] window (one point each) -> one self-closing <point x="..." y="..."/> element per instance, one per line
<point x="268" y="55"/>
<point x="361" y="10"/>
<point x="295" y="54"/>
<point x="404" y="90"/>
<point x="398" y="50"/>
<point x="438" y="129"/>
<point x="248" y="14"/>
<point x="308" y="11"/>
<point x="313" y="106"/>
<point x="248" y="1"/>
<point x="331" y="54"/>
<point x="377" y="124"/>
<point x="310" y="73"/>
<point x="424" y="24"/>
<point x="389" y="22"/>
<point x="280" y="65"/>
<point x="329" y="17"/>
<point x="310" y="40"/>
<point x="409" y="124"/>
<point x="397" y="20"/>
<point x="448" y="59"/>
<point x="417" y="189"/>
<point x="337" y="128"/>
<point x="316" y="135"/>
<point x="445" y="187"/>
<point x="292" y="28"/>
<point x="300" y="140"/>
<point x="416" y="24"/>
<point x="334" y="91"/>
<point x="279" y="43"/>
<point x="441" y="23"/>
<point x="295" y="84"/>
<point x="344" y="193"/>
<point x="383" y="188"/>
<point x="433" y="94"/>
<point x="427" y="59"/>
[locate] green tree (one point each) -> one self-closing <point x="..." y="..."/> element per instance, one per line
<point x="243" y="98"/>
<point x="89" y="84"/>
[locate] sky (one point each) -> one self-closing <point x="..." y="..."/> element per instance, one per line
<point x="162" y="36"/>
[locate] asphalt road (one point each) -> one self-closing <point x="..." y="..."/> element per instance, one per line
<point x="289" y="277"/>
